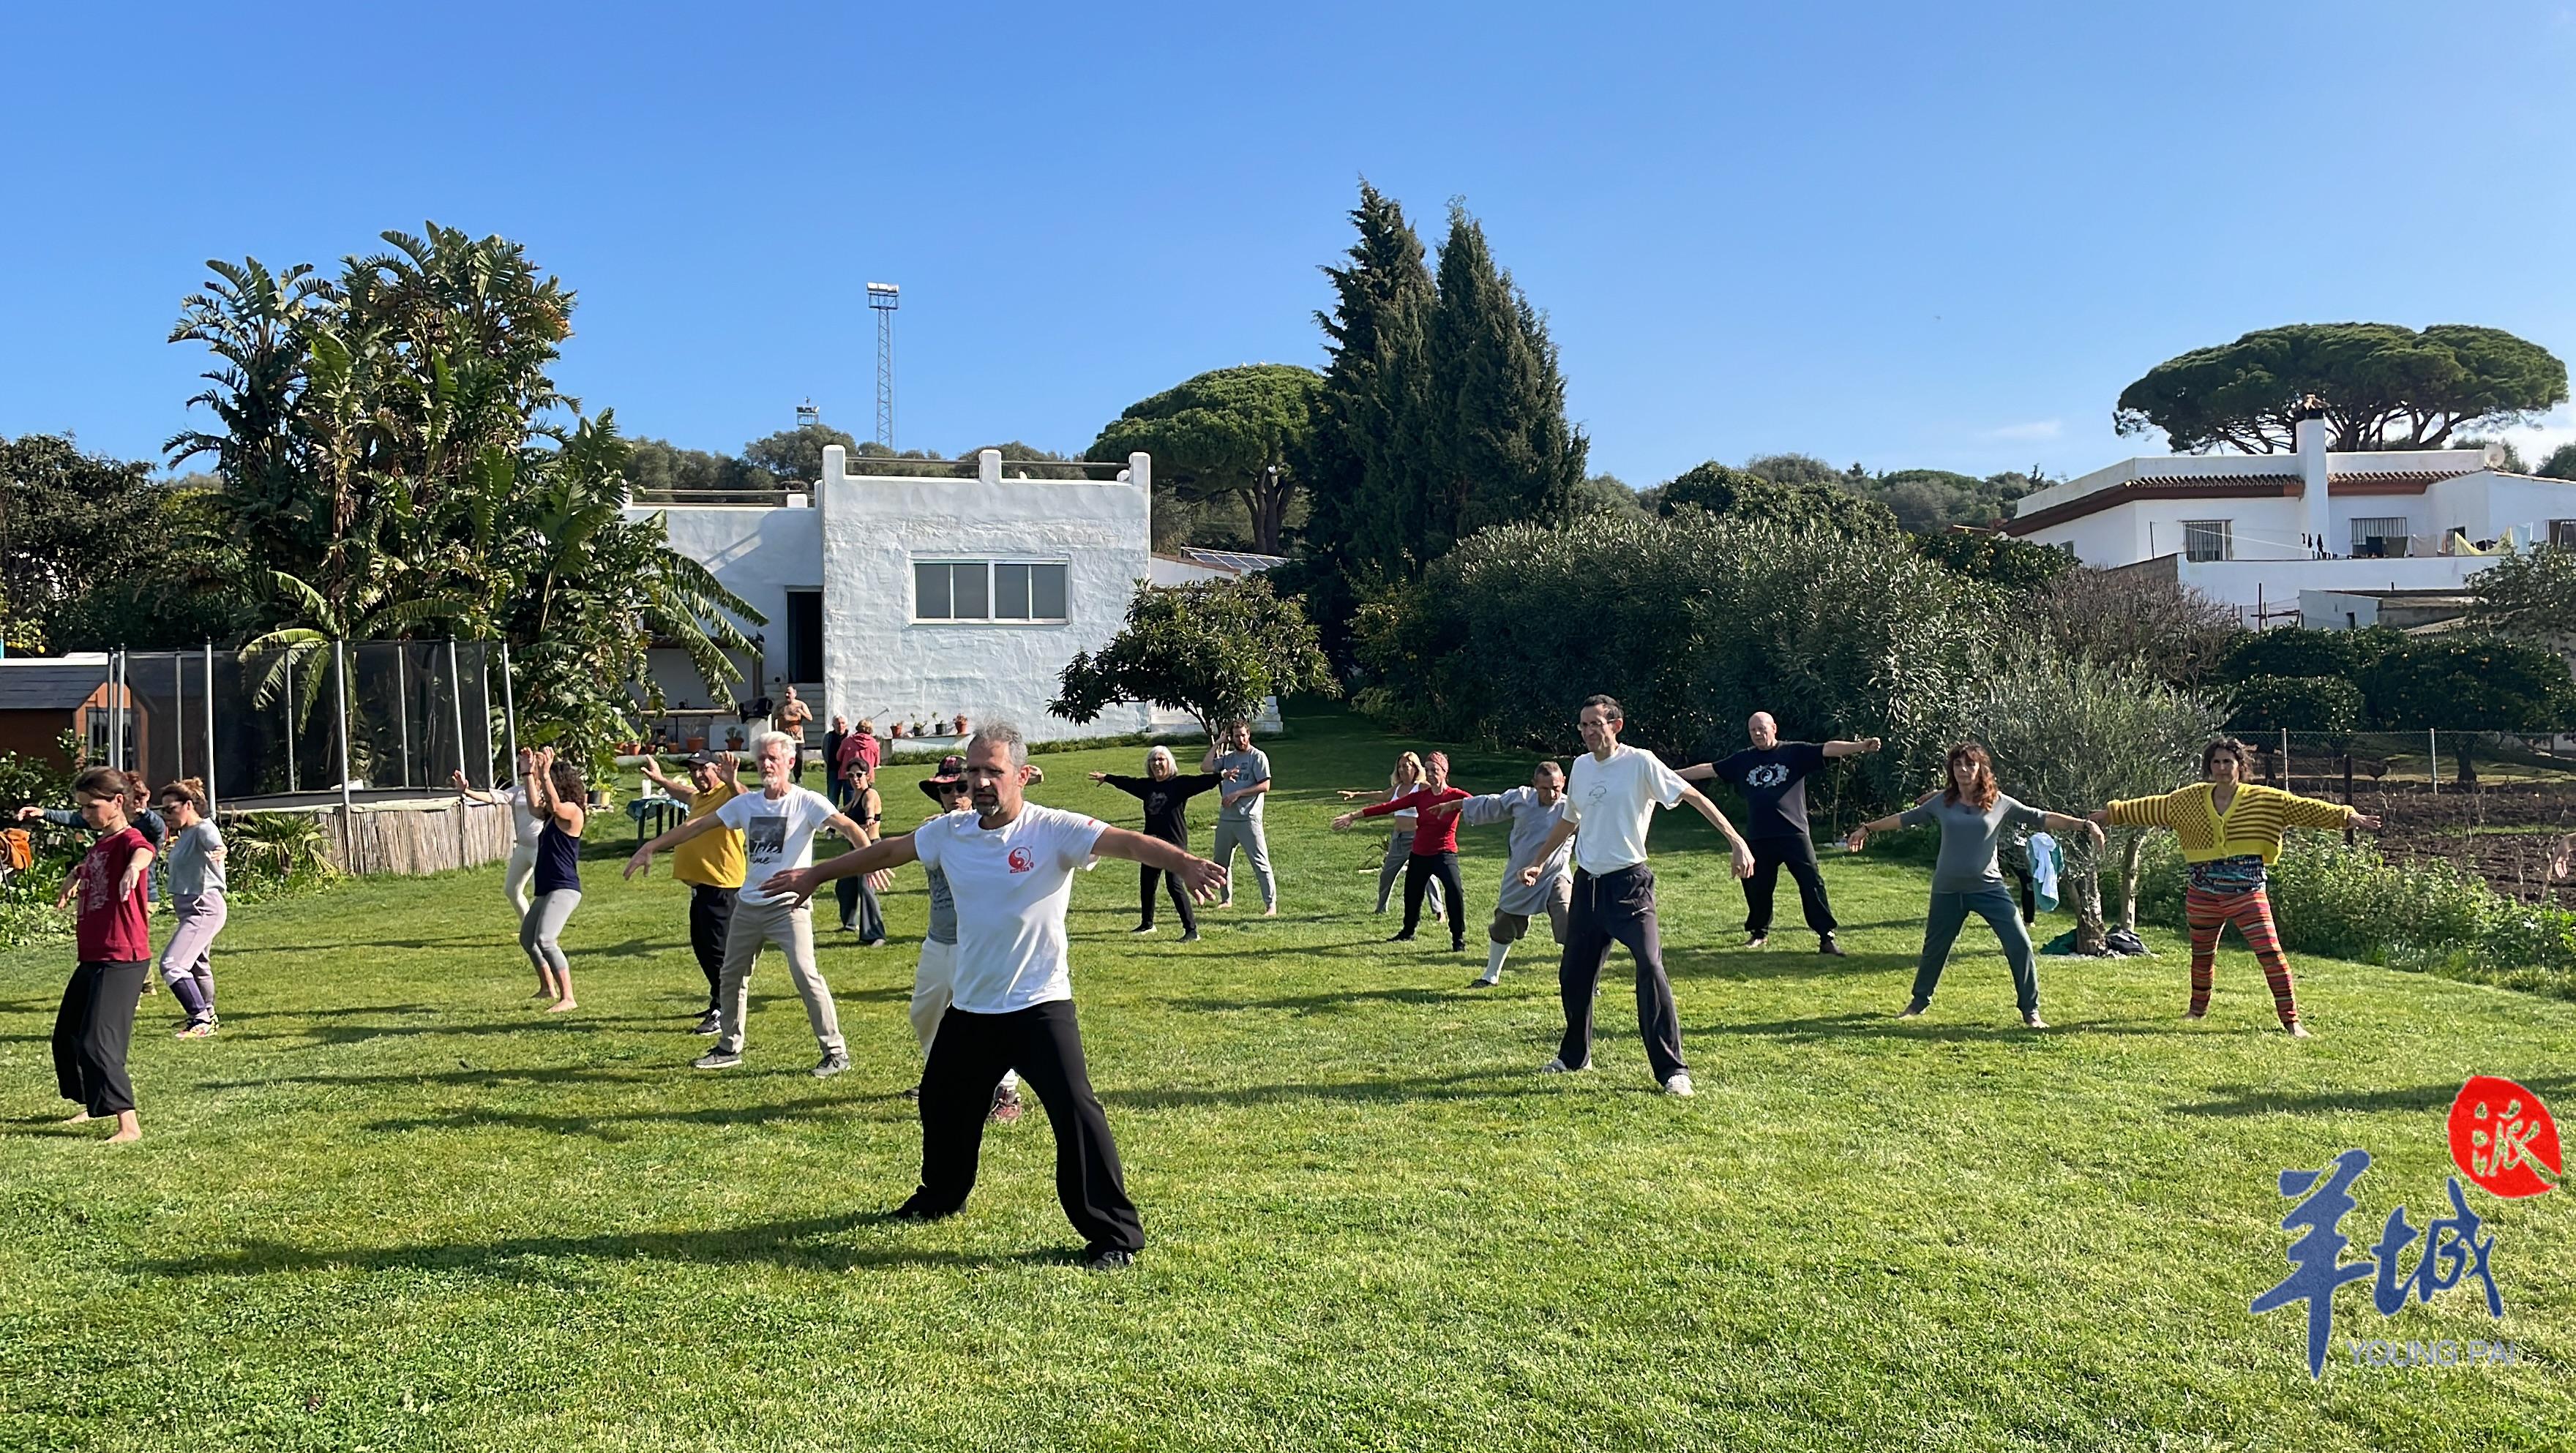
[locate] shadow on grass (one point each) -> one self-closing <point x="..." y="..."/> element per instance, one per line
<point x="1487" y="1084"/>
<point x="2240" y="1100"/>
<point x="2004" y="1025"/>
<point x="805" y="1243"/>
<point x="1330" y="1002"/>
<point x="609" y="1126"/>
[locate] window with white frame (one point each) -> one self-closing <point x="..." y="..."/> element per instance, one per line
<point x="988" y="590"/>
<point x="2209" y="539"/>
<point x="2379" y="536"/>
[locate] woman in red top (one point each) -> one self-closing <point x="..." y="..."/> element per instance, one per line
<point x="1435" y="847"/>
<point x="97" y="1018"/>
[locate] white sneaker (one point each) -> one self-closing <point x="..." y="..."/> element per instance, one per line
<point x="1558" y="1066"/>
<point x="1679" y="1085"/>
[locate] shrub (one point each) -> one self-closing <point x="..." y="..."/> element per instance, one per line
<point x="2291" y="652"/>
<point x="1996" y="559"/>
<point x="1694" y="622"/>
<point x="2481" y="683"/>
<point x="2327" y="704"/>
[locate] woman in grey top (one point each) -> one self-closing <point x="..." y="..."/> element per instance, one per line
<point x="194" y="850"/>
<point x="1974" y="816"/>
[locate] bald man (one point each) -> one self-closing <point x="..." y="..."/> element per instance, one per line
<point x="1772" y="776"/>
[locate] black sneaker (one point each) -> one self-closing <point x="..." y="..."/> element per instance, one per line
<point x="915" y="1212"/>
<point x="709" y="1023"/>
<point x="717" y="1059"/>
<point x="1110" y="1259"/>
<point x="832" y="1063"/>
<point x="1190" y="937"/>
<point x="1828" y="947"/>
<point x="1756" y="940"/>
<point x="1401" y="938"/>
<point x="912" y="1092"/>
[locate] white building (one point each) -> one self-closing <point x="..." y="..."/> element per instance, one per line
<point x="2257" y="530"/>
<point x="904" y="595"/>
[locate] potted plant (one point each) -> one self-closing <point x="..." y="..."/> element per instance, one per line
<point x="733" y="739"/>
<point x="898" y="728"/>
<point x="696" y="744"/>
<point x="958" y="724"/>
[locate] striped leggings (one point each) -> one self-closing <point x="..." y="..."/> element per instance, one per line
<point x="2251" y="912"/>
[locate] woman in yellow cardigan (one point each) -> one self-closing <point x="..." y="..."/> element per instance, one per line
<point x="2230" y="830"/>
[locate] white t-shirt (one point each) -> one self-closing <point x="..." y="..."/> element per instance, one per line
<point x="777" y="834"/>
<point x="523" y="818"/>
<point x="1011" y="885"/>
<point x="1609" y="803"/>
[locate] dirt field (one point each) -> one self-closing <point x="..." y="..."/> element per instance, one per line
<point x="2518" y="834"/>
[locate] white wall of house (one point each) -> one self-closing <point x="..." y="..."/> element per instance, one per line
<point x="881" y="660"/>
<point x="760" y="552"/>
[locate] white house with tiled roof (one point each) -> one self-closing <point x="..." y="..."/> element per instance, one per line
<point x="2256" y="530"/>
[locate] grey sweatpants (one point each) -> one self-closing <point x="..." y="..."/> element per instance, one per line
<point x="544" y="924"/>
<point x="791" y="927"/>
<point x="1230" y="835"/>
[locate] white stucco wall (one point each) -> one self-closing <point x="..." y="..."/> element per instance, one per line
<point x="2280" y="584"/>
<point x="760" y="553"/>
<point x="880" y="662"/>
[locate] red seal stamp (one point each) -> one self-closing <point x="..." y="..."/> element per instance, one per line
<point x="2502" y="1138"/>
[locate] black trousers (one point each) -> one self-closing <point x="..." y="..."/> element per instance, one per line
<point x="1798" y="855"/>
<point x="91" y="1034"/>
<point x="1043" y="1041"/>
<point x="1618" y="908"/>
<point x="1145" y="881"/>
<point x="1419" y="870"/>
<point x="859" y="905"/>
<point x="710" y="915"/>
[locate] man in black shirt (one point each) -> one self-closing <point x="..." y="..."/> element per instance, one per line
<point x="1772" y="776"/>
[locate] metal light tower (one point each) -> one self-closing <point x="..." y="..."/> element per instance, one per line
<point x="885" y="298"/>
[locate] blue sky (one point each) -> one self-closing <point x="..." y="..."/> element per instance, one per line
<point x="1900" y="234"/>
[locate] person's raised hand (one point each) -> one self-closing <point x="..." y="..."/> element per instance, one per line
<point x="2362" y="820"/>
<point x="30" y="812"/>
<point x="458" y="777"/>
<point x="1099" y="776"/>
<point x="1871" y="744"/>
<point x="640" y="864"/>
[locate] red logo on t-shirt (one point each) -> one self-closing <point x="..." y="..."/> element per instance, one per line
<point x="2502" y="1137"/>
<point x="1022" y="860"/>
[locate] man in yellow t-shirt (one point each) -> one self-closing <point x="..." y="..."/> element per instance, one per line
<point x="711" y="864"/>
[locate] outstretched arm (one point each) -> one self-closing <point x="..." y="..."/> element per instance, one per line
<point x="642" y="862"/>
<point x="1698" y="772"/>
<point x="677" y="790"/>
<point x="2060" y="822"/>
<point x="1204" y="880"/>
<point x="878" y="856"/>
<point x="1850" y="748"/>
<point x="464" y="789"/>
<point x="1717" y="819"/>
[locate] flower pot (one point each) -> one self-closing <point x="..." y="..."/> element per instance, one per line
<point x="959" y="724"/>
<point x="697" y="744"/>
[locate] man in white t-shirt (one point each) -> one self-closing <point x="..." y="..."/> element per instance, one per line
<point x="1010" y="866"/>
<point x="777" y="824"/>
<point x="1609" y="800"/>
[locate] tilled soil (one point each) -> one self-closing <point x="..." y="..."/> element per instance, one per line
<point x="2519" y="836"/>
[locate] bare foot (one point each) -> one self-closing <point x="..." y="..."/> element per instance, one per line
<point x="2298" y="1030"/>
<point x="2033" y="1021"/>
<point x="128" y="1129"/>
<point x="559" y="1006"/>
<point x="81" y="1117"/>
<point x="1270" y="912"/>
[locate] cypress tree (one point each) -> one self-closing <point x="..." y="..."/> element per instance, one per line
<point x="1360" y="515"/>
<point x="1493" y="443"/>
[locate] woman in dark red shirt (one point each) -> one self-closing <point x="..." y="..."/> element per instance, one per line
<point x="1435" y="847"/>
<point x="115" y="951"/>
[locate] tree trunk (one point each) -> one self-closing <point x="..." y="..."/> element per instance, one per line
<point x="2084" y="889"/>
<point x="2130" y="851"/>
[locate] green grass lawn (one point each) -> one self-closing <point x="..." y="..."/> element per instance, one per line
<point x="392" y="1206"/>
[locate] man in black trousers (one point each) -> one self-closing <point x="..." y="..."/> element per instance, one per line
<point x="1772" y="776"/>
<point x="1010" y="866"/>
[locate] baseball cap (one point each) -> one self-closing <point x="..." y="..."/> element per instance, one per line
<point x="952" y="770"/>
<point x="708" y="758"/>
